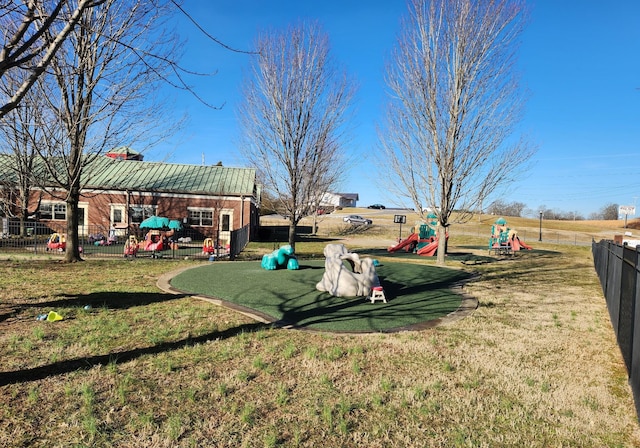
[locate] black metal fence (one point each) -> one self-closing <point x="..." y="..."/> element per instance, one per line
<point x="239" y="240"/>
<point x="98" y="242"/>
<point x="619" y="273"/>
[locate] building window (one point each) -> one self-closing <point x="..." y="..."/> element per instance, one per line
<point x="139" y="213"/>
<point x="60" y="211"/>
<point x="117" y="216"/>
<point x="55" y="210"/>
<point x="226" y="221"/>
<point x="45" y="211"/>
<point x="201" y="217"/>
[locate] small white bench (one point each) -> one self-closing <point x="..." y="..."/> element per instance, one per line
<point x="377" y="293"/>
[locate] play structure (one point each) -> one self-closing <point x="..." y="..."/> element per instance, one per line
<point x="131" y="246"/>
<point x="339" y="281"/>
<point x="153" y="241"/>
<point x="504" y="240"/>
<point x="207" y="247"/>
<point x="160" y="235"/>
<point x="57" y="241"/>
<point x="280" y="258"/>
<point x="424" y="242"/>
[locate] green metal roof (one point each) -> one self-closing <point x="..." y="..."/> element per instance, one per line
<point x="105" y="173"/>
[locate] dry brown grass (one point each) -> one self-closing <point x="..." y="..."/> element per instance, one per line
<point x="554" y="231"/>
<point x="535" y="365"/>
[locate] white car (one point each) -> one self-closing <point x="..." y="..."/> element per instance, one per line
<point x="357" y="219"/>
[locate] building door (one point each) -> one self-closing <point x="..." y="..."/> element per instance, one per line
<point x="83" y="229"/>
<point x="225" y="227"/>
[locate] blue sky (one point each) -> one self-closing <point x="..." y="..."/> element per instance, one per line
<point x="580" y="62"/>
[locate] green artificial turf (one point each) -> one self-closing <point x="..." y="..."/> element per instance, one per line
<point x="415" y="293"/>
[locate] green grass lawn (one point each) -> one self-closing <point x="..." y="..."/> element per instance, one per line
<point x="415" y="294"/>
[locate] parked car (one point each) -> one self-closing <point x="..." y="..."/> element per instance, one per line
<point x="377" y="206"/>
<point x="357" y="219"/>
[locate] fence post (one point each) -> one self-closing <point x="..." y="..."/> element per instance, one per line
<point x="614" y="274"/>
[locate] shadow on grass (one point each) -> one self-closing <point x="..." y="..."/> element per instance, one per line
<point x="358" y="315"/>
<point x="88" y="362"/>
<point x="111" y="299"/>
<point x="107" y="299"/>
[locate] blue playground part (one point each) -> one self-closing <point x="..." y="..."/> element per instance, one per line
<point x="280" y="258"/>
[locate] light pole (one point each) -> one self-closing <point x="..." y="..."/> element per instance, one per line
<point x="540" y="238"/>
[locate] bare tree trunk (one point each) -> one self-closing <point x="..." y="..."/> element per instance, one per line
<point x="72" y="253"/>
<point x="442" y="244"/>
<point x="292" y="234"/>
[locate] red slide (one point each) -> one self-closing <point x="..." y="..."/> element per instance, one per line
<point x="429" y="250"/>
<point x="516" y="244"/>
<point x="413" y="238"/>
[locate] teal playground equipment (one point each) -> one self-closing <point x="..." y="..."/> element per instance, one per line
<point x="280" y="258"/>
<point x="504" y="240"/>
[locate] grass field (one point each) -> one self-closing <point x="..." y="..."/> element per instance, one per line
<point x="535" y="365"/>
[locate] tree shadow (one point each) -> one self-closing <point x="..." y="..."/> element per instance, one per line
<point x="419" y="300"/>
<point x="88" y="362"/>
<point x="105" y="299"/>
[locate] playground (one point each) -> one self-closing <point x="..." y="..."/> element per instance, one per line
<point x="511" y="373"/>
<point x="289" y="292"/>
<point x="504" y="240"/>
<point x="416" y="295"/>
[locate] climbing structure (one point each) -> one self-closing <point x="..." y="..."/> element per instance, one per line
<point x="504" y="240"/>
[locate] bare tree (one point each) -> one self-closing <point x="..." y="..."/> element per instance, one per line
<point x="293" y="118"/>
<point x="610" y="211"/>
<point x="500" y="207"/>
<point x="101" y="94"/>
<point x="28" y="45"/>
<point x="20" y="138"/>
<point x="455" y="100"/>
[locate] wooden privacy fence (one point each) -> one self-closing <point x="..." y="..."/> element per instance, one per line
<point x="619" y="274"/>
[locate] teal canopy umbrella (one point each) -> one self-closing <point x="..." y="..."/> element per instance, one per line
<point x="155" y="222"/>
<point x="175" y="224"/>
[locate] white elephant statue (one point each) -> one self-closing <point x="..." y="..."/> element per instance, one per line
<point x="339" y="281"/>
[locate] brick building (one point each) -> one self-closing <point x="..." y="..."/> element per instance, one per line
<point x="121" y="193"/>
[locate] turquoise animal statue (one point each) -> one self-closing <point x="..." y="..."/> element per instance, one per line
<point x="280" y="258"/>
